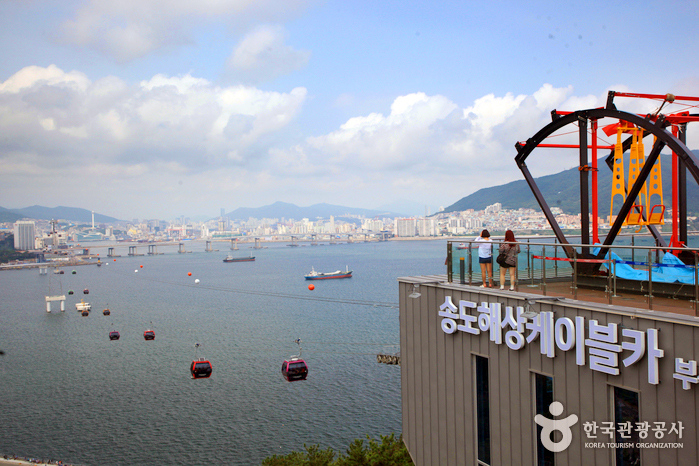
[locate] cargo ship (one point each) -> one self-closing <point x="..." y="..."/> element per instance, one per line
<point x="230" y="258"/>
<point x="313" y="275"/>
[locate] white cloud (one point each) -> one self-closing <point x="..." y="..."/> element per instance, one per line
<point x="262" y="55"/>
<point x="428" y="145"/>
<point x="67" y="119"/>
<point x="130" y="29"/>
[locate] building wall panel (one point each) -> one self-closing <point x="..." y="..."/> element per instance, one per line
<point x="438" y="386"/>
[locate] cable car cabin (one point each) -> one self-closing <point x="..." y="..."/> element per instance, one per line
<point x="149" y="335"/>
<point x="86" y="291"/>
<point x="106" y="312"/>
<point x="201" y="369"/>
<point x="294" y="370"/>
<point x="114" y="335"/>
<point x="85" y="313"/>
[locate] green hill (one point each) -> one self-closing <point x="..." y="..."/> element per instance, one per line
<point x="563" y="190"/>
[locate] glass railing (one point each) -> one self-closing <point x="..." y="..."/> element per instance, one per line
<point x="635" y="264"/>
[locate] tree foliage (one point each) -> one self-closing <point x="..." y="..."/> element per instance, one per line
<point x="389" y="451"/>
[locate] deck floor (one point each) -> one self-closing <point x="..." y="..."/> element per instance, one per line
<point x="563" y="288"/>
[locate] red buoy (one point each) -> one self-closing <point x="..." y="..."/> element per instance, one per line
<point x="190" y="274"/>
<point x="311" y="287"/>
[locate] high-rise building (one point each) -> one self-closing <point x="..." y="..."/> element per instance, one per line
<point x="405" y="227"/>
<point x="426" y="227"/>
<point x="24" y="235"/>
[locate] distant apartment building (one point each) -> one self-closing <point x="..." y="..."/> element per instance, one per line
<point x="493" y="209"/>
<point x="25" y="235"/>
<point x="426" y="227"/>
<point x="373" y="225"/>
<point x="405" y="227"/>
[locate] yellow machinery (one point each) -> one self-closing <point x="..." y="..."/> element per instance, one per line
<point x="641" y="212"/>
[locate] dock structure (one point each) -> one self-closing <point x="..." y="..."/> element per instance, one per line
<point x="208" y="247"/>
<point x="181" y="249"/>
<point x="61" y="299"/>
<point x="110" y="253"/>
<point x="257" y="243"/>
<point x="133" y="251"/>
<point x="43" y="270"/>
<point x="153" y="250"/>
<point x="234" y="244"/>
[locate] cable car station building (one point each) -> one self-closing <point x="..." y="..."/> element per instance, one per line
<point x="500" y="377"/>
<point x="478" y="366"/>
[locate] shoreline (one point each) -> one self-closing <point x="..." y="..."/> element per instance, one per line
<point x="30" y="461"/>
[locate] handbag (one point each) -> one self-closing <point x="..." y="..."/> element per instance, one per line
<point x="502" y="260"/>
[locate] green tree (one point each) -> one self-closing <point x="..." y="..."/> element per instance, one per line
<point x="313" y="456"/>
<point x="390" y="451"/>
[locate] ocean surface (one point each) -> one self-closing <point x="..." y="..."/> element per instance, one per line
<point x="67" y="392"/>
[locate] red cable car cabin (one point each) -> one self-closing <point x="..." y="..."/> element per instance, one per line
<point x="114" y="335"/>
<point x="149" y="335"/>
<point x="201" y="369"/>
<point x="295" y="369"/>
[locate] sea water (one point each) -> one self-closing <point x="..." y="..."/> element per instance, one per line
<point x="69" y="393"/>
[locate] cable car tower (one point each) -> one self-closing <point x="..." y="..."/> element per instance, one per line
<point x="639" y="196"/>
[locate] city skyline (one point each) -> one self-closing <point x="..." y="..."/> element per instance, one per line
<point x="134" y="111"/>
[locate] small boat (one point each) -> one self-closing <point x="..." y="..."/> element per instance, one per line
<point x="462" y="246"/>
<point x="83" y="306"/>
<point x="313" y="275"/>
<point x="230" y="258"/>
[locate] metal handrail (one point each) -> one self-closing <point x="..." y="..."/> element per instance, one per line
<point x="530" y="273"/>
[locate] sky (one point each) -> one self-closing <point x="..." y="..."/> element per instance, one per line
<point x="158" y="109"/>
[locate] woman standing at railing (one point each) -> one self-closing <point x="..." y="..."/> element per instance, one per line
<point x="510" y="249"/>
<point x="485" y="257"/>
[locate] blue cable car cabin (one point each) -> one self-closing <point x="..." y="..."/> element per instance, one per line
<point x="294" y="370"/>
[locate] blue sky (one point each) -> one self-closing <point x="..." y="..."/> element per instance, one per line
<point x="155" y="109"/>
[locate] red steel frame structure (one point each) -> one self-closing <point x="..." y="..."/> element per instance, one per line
<point x="656" y="124"/>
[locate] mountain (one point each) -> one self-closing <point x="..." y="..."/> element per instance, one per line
<point x="286" y="210"/>
<point x="563" y="190"/>
<point x="9" y="216"/>
<point x="73" y="214"/>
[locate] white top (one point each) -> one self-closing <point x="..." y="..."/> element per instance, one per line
<point x="485" y="250"/>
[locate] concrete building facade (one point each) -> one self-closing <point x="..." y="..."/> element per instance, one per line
<point x="25" y="235"/>
<point x="484" y="373"/>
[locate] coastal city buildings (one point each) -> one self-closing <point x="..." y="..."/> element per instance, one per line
<point x="464" y="223"/>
